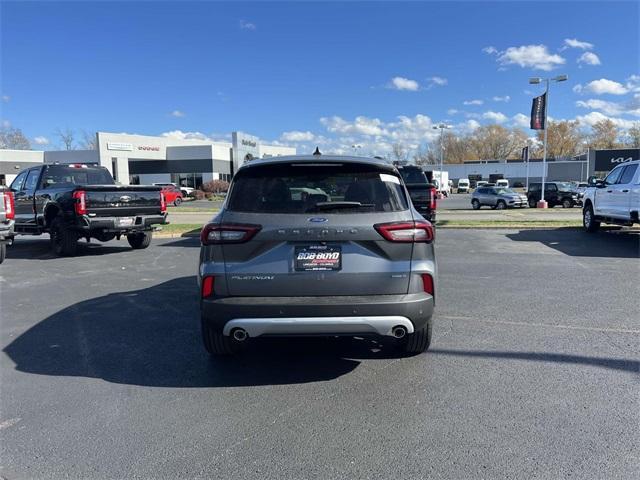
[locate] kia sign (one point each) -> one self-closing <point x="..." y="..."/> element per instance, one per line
<point x="609" y="159"/>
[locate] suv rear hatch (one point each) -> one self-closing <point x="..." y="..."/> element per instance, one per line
<point x="313" y="229"/>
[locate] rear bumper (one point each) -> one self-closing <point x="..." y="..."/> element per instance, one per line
<point x="6" y="231"/>
<point x="338" y="315"/>
<point x="114" y="225"/>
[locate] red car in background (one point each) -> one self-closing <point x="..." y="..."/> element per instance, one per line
<point x="172" y="194"/>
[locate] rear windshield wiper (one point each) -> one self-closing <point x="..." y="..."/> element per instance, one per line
<point x="339" y="205"/>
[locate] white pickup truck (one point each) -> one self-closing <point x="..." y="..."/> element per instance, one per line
<point x="616" y="199"/>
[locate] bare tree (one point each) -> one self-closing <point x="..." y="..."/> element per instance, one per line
<point x="399" y="152"/>
<point x="425" y="155"/>
<point x="495" y="142"/>
<point x="13" y="139"/>
<point x="89" y="141"/>
<point x="67" y="137"/>
<point x="604" y="135"/>
<point x="633" y="136"/>
<point x="564" y="139"/>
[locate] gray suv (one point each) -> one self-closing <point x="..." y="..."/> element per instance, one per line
<point x="317" y="245"/>
<point x="497" y="197"/>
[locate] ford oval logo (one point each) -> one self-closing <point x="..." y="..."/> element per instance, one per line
<point x="317" y="219"/>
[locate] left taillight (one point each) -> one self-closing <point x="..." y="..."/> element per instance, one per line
<point x="9" y="205"/>
<point x="406" y="232"/>
<point x="207" y="286"/>
<point x="163" y="203"/>
<point x="80" y="202"/>
<point x="213" y="234"/>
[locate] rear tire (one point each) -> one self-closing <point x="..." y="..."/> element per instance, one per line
<point x="64" y="242"/>
<point x="139" y="241"/>
<point x="3" y="252"/>
<point x="589" y="221"/>
<point x="215" y="343"/>
<point x="532" y="203"/>
<point x="419" y="340"/>
<point x="177" y="202"/>
<point x="475" y="204"/>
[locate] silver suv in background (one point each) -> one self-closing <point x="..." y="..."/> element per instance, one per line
<point x="497" y="197"/>
<point x="355" y="260"/>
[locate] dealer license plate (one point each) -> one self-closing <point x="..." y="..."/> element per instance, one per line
<point x="126" y="221"/>
<point x="315" y="258"/>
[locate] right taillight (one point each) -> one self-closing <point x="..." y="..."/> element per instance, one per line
<point x="207" y="286"/>
<point x="433" y="195"/>
<point x="427" y="283"/>
<point x="9" y="205"/>
<point x="163" y="203"/>
<point x="80" y="204"/>
<point x="411" y="232"/>
<point x="213" y="234"/>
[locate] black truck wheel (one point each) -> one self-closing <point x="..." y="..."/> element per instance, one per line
<point x="217" y="344"/>
<point x="64" y="241"/>
<point x="3" y="252"/>
<point x="418" y="341"/>
<point x="140" y="240"/>
<point x="567" y="203"/>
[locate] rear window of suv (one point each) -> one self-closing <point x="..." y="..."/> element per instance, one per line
<point x="308" y="188"/>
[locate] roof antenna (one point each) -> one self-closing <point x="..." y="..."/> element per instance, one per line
<point x="317" y="152"/>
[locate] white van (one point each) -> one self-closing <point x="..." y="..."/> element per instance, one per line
<point x="503" y="182"/>
<point x="463" y="185"/>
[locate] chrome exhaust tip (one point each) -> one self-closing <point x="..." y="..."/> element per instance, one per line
<point x="398" y="332"/>
<point x="240" y="334"/>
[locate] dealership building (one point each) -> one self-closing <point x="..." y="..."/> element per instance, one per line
<point x="142" y="159"/>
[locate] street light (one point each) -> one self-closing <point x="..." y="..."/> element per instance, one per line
<point x="442" y="127"/>
<point x="535" y="81"/>
<point x="355" y="148"/>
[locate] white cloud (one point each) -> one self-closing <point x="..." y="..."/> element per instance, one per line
<point x="602" y="86"/>
<point x="452" y="111"/>
<point x="497" y="117"/>
<point x="244" y="25"/>
<point x="41" y="140"/>
<point x="360" y="126"/>
<point x="468" y="126"/>
<point x="401" y="83"/>
<point x="575" y="43"/>
<point x="297" y="136"/>
<point x="592" y="118"/>
<point x="589" y="58"/>
<point x="521" y="120"/>
<point x="473" y="102"/>
<point x="531" y="56"/>
<point x="490" y="50"/>
<point x="6" y="98"/>
<point x="505" y="99"/>
<point x="611" y="108"/>
<point x="177" y="114"/>
<point x="440" y="81"/>
<point x="578" y="88"/>
<point x="6" y="123"/>
<point x="180" y="135"/>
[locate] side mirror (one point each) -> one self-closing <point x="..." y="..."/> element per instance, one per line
<point x="592" y="180"/>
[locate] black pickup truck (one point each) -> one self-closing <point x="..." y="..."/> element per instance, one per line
<point x="423" y="193"/>
<point x="82" y="201"/>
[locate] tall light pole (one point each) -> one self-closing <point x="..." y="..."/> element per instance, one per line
<point x="535" y="81"/>
<point x="442" y="127"/>
<point x="355" y="148"/>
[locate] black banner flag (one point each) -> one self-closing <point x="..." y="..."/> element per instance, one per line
<point x="538" y="112"/>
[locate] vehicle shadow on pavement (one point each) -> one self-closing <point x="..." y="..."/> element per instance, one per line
<point x="151" y="337"/>
<point x="603" y="362"/>
<point x="575" y="242"/>
<point x="190" y="241"/>
<point x="41" y="249"/>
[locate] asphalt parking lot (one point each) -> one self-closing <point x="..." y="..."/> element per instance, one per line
<point x="533" y="373"/>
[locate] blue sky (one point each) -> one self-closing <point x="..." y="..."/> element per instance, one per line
<point x="305" y="73"/>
